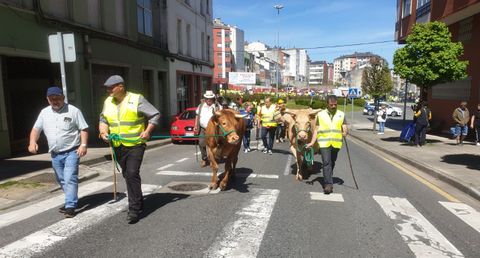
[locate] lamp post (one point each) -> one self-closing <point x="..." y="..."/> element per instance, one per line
<point x="278" y="7"/>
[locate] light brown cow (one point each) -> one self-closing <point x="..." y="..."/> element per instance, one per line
<point x="299" y="130"/>
<point x="226" y="129"/>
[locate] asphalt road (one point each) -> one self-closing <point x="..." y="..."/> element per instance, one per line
<point x="265" y="213"/>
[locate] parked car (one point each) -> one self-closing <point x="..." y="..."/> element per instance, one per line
<point x="369" y="109"/>
<point x="183" y="126"/>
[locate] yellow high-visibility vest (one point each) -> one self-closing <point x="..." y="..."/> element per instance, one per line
<point x="267" y="115"/>
<point x="123" y="119"/>
<point x="329" y="130"/>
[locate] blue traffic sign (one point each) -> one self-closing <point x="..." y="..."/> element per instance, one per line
<point x="354" y="92"/>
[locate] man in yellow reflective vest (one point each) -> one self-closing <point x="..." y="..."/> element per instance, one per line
<point x="125" y="114"/>
<point x="331" y="127"/>
<point x="268" y="124"/>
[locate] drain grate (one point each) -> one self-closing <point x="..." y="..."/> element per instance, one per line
<point x="187" y="187"/>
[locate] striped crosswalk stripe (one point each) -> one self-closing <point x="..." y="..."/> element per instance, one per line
<point x="39" y="207"/>
<point x="187" y="173"/>
<point x="333" y="197"/>
<point x="466" y="213"/>
<point x="242" y="237"/>
<point x="421" y="237"/>
<point x="41" y="240"/>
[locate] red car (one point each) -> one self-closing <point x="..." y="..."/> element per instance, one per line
<point x="183" y="126"/>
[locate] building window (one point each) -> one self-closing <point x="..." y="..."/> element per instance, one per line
<point x="202" y="39"/>
<point x="465" y="29"/>
<point x="423" y="7"/>
<point x="144" y="17"/>
<point x="208" y="7"/>
<point x="208" y="48"/>
<point x="407" y="8"/>
<point x="220" y="75"/>
<point x="219" y="54"/>
<point x="202" y="7"/>
<point x="227" y="35"/>
<point x="219" y="45"/>
<point x="219" y="33"/>
<point x="421" y="3"/>
<point x="227" y="54"/>
<point x="189" y="39"/>
<point x="179" y="36"/>
<point x="227" y="45"/>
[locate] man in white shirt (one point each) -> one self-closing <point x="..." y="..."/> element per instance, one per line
<point x="204" y="112"/>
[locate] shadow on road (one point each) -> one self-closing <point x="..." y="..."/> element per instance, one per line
<point x="471" y="161"/>
<point x="238" y="182"/>
<point x="155" y="201"/>
<point x="336" y="181"/>
<point x="94" y="200"/>
<point x="14" y="168"/>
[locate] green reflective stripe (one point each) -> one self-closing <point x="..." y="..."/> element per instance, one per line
<point x="329" y="131"/>
<point x="129" y="135"/>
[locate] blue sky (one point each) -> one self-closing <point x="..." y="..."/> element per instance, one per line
<point x="315" y="23"/>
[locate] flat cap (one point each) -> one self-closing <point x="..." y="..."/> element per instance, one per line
<point x="54" y="91"/>
<point x="112" y="80"/>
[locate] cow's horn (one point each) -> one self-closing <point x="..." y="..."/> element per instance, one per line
<point x="240" y="116"/>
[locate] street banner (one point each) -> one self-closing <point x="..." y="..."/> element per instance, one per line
<point x="241" y="78"/>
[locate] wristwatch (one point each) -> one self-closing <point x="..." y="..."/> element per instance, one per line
<point x="83" y="145"/>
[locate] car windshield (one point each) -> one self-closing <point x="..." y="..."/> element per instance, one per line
<point x="187" y="115"/>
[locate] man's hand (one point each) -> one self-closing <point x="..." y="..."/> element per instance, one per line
<point x="82" y="151"/>
<point x="33" y="148"/>
<point x="310" y="145"/>
<point x="145" y="135"/>
<point x="104" y="137"/>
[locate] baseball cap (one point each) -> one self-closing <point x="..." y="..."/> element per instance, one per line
<point x="112" y="80"/>
<point x="54" y="91"/>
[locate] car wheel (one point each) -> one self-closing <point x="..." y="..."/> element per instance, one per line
<point x="394" y="113"/>
<point x="370" y="112"/>
<point x="174" y="141"/>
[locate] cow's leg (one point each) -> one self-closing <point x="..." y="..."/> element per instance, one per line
<point x="214" y="166"/>
<point x="298" y="159"/>
<point x="228" y="172"/>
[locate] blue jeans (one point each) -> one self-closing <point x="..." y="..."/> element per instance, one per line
<point x="381" y="127"/>
<point x="461" y="129"/>
<point x="246" y="139"/>
<point x="65" y="165"/>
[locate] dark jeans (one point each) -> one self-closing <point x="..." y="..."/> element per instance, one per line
<point x="280" y="132"/>
<point x="420" y="134"/>
<point x="130" y="160"/>
<point x="246" y="139"/>
<point x="329" y="156"/>
<point x="202" y="144"/>
<point x="477" y="133"/>
<point x="271" y="137"/>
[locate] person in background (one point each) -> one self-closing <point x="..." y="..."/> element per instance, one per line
<point x="204" y="112"/>
<point x="67" y="136"/>
<point x="461" y="116"/>
<point x="280" y="132"/>
<point x="268" y="125"/>
<point x="422" y="115"/>
<point x="249" y="119"/>
<point x="475" y="124"/>
<point x="381" y="119"/>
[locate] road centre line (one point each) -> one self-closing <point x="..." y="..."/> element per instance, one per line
<point x="39" y="207"/>
<point x="242" y="237"/>
<point x="181" y="160"/>
<point x="423" y="239"/>
<point x="287" y="167"/>
<point x="185" y="173"/>
<point x="409" y="172"/>
<point x="333" y="197"/>
<point x="41" y="240"/>
<point x="466" y="213"/>
<point x="164" y="167"/>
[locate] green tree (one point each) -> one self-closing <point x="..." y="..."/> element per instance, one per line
<point x="376" y="82"/>
<point x="430" y="57"/>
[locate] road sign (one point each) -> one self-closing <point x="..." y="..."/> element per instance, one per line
<point x="354" y="92"/>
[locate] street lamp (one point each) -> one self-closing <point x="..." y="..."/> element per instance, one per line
<point x="278" y="7"/>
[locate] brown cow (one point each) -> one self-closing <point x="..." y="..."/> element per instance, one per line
<point x="226" y="128"/>
<point x="299" y="128"/>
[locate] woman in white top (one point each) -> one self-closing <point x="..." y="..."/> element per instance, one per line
<point x="381" y="119"/>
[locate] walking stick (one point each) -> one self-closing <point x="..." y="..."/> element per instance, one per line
<point x="114" y="172"/>
<point x="350" y="162"/>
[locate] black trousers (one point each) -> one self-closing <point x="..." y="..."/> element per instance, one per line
<point x="268" y="142"/>
<point x="329" y="157"/>
<point x="420" y="134"/>
<point x="130" y="160"/>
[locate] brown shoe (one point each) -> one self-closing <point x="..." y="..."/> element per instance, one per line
<point x="203" y="163"/>
<point x="328" y="189"/>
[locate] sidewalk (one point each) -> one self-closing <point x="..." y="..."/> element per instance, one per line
<point x="33" y="175"/>
<point x="456" y="165"/>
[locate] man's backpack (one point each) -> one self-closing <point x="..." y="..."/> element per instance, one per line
<point x="384" y="115"/>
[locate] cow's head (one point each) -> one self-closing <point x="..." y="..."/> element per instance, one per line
<point x="227" y="122"/>
<point x="303" y="123"/>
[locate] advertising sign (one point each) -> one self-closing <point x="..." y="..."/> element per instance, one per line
<point x="241" y="78"/>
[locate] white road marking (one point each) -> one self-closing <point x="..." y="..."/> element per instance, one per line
<point x="242" y="237"/>
<point x="39" y="207"/>
<point x="182" y="160"/>
<point x="164" y="167"/>
<point x="466" y="213"/>
<point x="287" y="167"/>
<point x="421" y="237"/>
<point x="42" y="240"/>
<point x="333" y="197"/>
<point x="186" y="173"/>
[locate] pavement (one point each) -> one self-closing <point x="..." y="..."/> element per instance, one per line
<point x="440" y="157"/>
<point x="32" y="177"/>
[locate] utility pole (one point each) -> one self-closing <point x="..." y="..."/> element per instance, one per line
<point x="278" y="7"/>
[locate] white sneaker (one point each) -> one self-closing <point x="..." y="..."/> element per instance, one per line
<point x="264" y="151"/>
<point x="478" y="143"/>
<point x="245" y="151"/>
<point x="270" y="152"/>
<point x="249" y="150"/>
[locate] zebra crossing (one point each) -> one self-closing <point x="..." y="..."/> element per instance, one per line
<point x="243" y="234"/>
